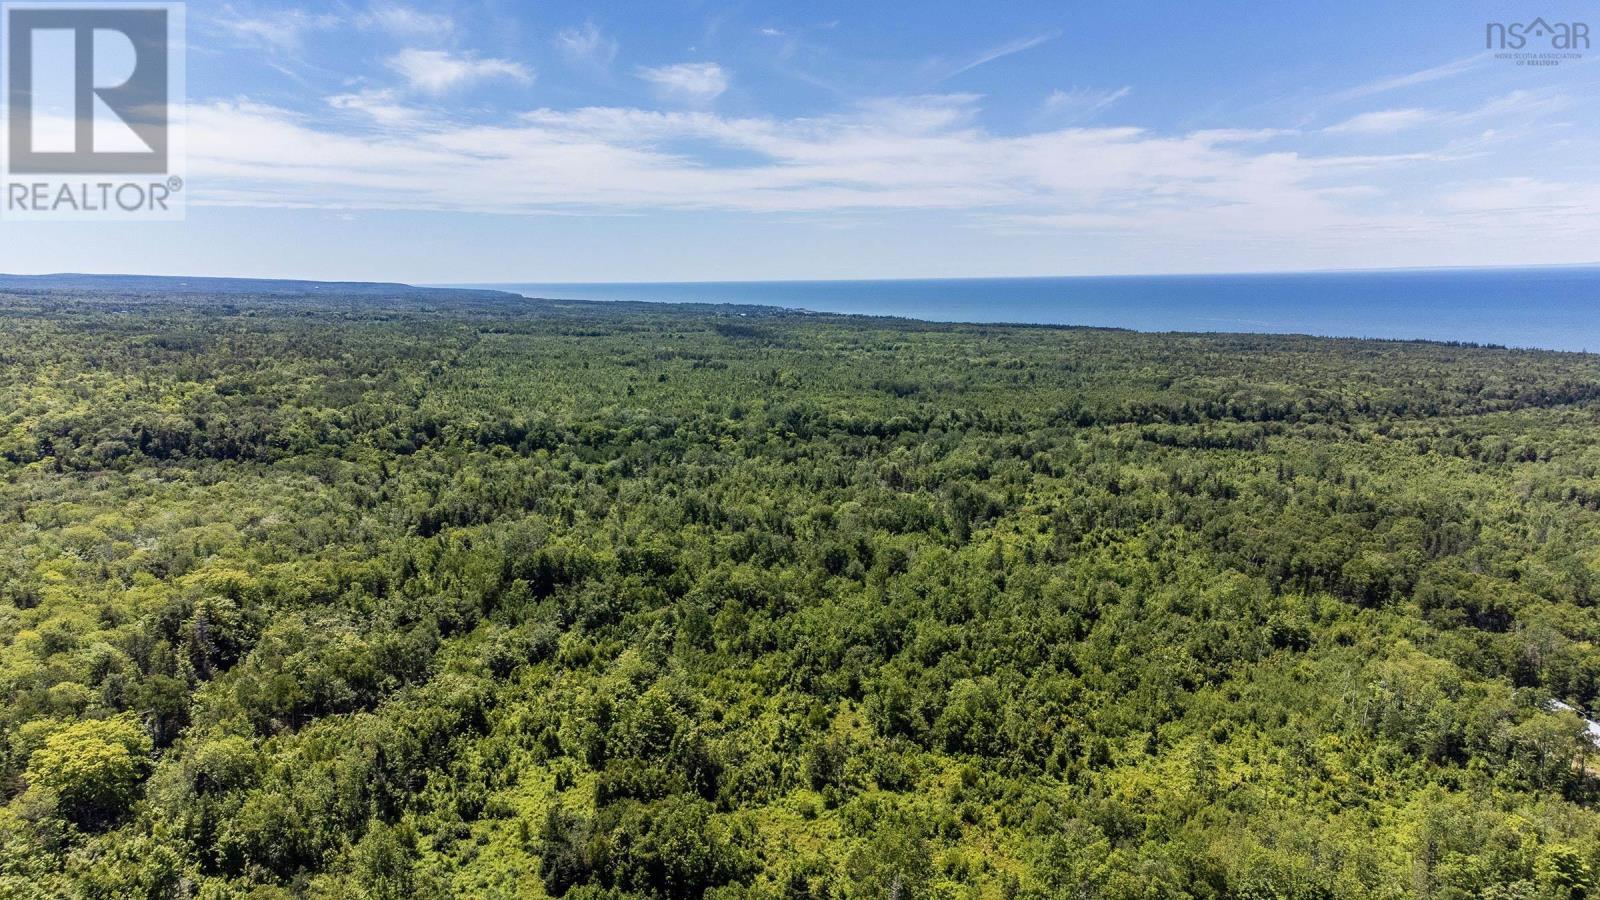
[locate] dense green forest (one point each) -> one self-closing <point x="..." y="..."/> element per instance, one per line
<point x="351" y="598"/>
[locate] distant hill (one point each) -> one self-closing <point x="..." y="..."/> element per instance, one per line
<point x="138" y="290"/>
<point x="250" y="286"/>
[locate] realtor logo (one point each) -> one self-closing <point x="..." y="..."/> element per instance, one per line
<point x="93" y="97"/>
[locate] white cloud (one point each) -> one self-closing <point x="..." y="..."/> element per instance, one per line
<point x="687" y="82"/>
<point x="406" y="21"/>
<point x="1412" y="79"/>
<point x="914" y="153"/>
<point x="1533" y="196"/>
<point x="1384" y="121"/>
<point x="1518" y="105"/>
<point x="437" y="71"/>
<point x="586" y="46"/>
<point x="1234" y="190"/>
<point x="381" y="106"/>
<point x="993" y="53"/>
<point x="281" y="29"/>
<point x="1080" y="104"/>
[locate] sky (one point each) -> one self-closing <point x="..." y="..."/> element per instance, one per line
<point x="501" y="141"/>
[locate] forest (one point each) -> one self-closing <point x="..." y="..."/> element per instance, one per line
<point x="369" y="597"/>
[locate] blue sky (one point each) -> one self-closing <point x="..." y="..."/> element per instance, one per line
<point x="504" y="141"/>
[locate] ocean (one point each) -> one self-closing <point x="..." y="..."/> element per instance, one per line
<point x="1554" y="308"/>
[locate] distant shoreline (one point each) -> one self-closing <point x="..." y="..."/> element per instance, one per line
<point x="1545" y="307"/>
<point x="1537" y="308"/>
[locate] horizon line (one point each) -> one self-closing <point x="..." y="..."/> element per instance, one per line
<point x="1374" y="270"/>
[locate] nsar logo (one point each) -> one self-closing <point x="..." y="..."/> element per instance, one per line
<point x="1516" y="35"/>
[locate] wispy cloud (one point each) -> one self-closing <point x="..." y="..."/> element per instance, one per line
<point x="1224" y="188"/>
<point x="695" y="83"/>
<point x="406" y="21"/>
<point x="908" y="153"/>
<point x="286" y="29"/>
<point x="1521" y="105"/>
<point x="1411" y="79"/>
<point x="586" y="46"/>
<point x="438" y="71"/>
<point x="282" y="29"/>
<point x="985" y="57"/>
<point x="381" y="106"/>
<point x="1384" y="121"/>
<point x="1536" y="195"/>
<point x="1079" y="104"/>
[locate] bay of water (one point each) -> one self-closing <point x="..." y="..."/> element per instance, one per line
<point x="1556" y="308"/>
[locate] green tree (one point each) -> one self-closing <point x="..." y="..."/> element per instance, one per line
<point x="93" y="769"/>
<point x="1562" y="873"/>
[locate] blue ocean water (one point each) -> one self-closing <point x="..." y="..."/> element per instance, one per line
<point x="1555" y="308"/>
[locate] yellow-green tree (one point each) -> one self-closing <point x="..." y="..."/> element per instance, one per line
<point x="92" y="769"/>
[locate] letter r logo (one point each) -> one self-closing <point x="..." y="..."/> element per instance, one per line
<point x="88" y="90"/>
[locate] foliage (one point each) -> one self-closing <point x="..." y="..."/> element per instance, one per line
<point x="353" y="597"/>
<point x="91" y="769"/>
